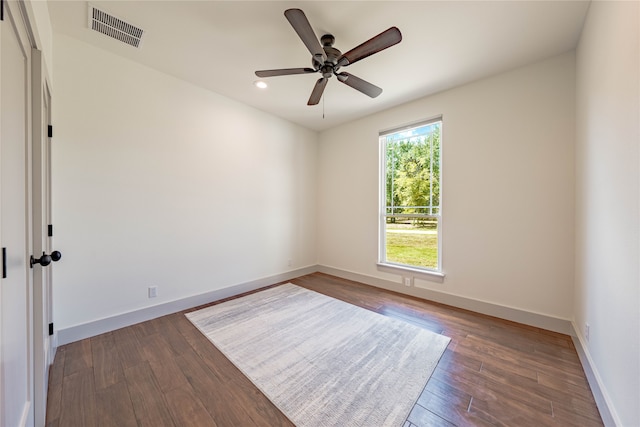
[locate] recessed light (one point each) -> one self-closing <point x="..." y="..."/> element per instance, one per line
<point x="260" y="84"/>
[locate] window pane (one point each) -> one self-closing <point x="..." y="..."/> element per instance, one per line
<point x="412" y="242"/>
<point x="412" y="171"/>
<point x="411" y="182"/>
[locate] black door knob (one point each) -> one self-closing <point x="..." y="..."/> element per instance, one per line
<point x="45" y="259"/>
<point x="55" y="256"/>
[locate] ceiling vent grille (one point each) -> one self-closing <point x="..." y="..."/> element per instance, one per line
<point x="113" y="27"/>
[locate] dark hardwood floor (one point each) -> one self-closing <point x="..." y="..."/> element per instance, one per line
<point x="164" y="372"/>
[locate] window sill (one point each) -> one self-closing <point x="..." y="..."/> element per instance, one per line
<point x="418" y="273"/>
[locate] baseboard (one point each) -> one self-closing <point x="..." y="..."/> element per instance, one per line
<point x="97" y="327"/>
<point x="538" y="320"/>
<point x="607" y="412"/>
<point x="101" y="326"/>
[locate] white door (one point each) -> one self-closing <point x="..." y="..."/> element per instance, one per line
<point x="16" y="354"/>
<point x="42" y="313"/>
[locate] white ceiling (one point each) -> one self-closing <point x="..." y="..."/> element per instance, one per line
<point x="219" y="44"/>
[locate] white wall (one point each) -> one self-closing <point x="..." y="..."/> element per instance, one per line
<point x="607" y="198"/>
<point x="158" y="182"/>
<point x="508" y="181"/>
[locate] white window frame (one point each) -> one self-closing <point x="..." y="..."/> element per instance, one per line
<point x="407" y="271"/>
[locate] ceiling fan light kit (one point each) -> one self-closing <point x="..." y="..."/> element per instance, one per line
<point x="327" y="60"/>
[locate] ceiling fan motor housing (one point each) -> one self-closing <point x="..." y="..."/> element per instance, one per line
<point x="330" y="65"/>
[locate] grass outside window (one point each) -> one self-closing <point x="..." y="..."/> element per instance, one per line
<point x="412" y="245"/>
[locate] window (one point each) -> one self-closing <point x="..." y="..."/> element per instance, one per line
<point x="411" y="192"/>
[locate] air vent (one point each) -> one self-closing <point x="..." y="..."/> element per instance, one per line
<point x="113" y="27"/>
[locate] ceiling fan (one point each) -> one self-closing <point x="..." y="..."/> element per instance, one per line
<point x="327" y="60"/>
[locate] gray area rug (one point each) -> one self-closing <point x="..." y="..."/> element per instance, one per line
<point x="321" y="361"/>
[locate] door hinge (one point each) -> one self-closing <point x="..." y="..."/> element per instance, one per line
<point x="50" y="230"/>
<point x="50" y="329"/>
<point x="4" y="261"/>
<point x="50" y="131"/>
<point x="1" y="10"/>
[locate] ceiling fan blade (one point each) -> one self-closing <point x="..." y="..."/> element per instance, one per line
<point x="300" y="23"/>
<point x="358" y="84"/>
<point x="284" y="72"/>
<point x="380" y="42"/>
<point x="318" y="89"/>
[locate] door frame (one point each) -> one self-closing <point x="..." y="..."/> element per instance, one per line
<point x="43" y="345"/>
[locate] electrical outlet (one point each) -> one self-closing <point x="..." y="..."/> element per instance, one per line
<point x="407" y="281"/>
<point x="289" y="263"/>
<point x="153" y="291"/>
<point x="586" y="331"/>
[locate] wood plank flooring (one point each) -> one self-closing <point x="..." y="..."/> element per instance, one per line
<point x="164" y="372"/>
